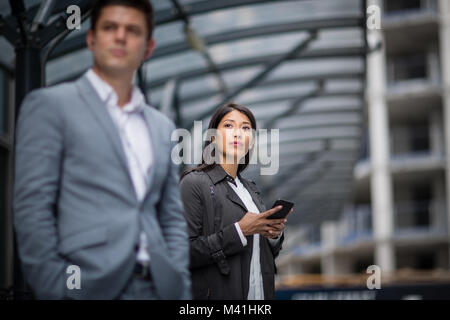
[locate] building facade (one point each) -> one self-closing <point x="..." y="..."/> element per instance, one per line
<point x="398" y="217"/>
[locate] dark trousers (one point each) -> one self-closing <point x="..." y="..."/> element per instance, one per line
<point x="138" y="288"/>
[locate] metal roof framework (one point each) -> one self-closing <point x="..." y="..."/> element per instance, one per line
<point x="300" y="72"/>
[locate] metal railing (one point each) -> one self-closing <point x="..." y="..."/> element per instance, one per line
<point x="420" y="217"/>
<point x="411" y="218"/>
<point x="355" y="224"/>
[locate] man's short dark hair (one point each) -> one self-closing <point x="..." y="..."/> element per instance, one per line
<point x="142" y="5"/>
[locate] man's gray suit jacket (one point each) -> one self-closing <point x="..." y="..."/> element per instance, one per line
<point x="74" y="202"/>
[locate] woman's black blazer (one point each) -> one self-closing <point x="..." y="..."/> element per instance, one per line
<point x="220" y="264"/>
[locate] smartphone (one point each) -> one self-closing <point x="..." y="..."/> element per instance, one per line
<point x="287" y="206"/>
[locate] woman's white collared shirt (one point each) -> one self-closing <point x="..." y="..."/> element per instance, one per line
<point x="256" y="289"/>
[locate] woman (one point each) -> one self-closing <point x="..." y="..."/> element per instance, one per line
<point x="233" y="244"/>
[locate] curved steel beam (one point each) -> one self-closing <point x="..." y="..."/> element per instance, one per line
<point x="347" y="52"/>
<point x="261" y="75"/>
<point x="345" y="75"/>
<point x="78" y="42"/>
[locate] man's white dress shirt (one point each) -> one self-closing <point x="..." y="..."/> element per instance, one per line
<point x="135" y="136"/>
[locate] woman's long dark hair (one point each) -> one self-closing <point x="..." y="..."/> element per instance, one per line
<point x="214" y="124"/>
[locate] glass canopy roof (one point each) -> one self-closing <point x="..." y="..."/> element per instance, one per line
<point x="298" y="65"/>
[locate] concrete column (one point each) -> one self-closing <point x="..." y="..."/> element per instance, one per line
<point x="328" y="236"/>
<point x="438" y="216"/>
<point x="436" y="138"/>
<point x="433" y="65"/>
<point x="381" y="182"/>
<point x="444" y="9"/>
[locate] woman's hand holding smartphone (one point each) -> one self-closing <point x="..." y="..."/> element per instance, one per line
<point x="253" y="223"/>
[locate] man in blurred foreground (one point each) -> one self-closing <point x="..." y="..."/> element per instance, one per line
<point x="97" y="209"/>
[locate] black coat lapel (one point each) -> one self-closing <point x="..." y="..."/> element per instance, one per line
<point x="231" y="195"/>
<point x="254" y="192"/>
